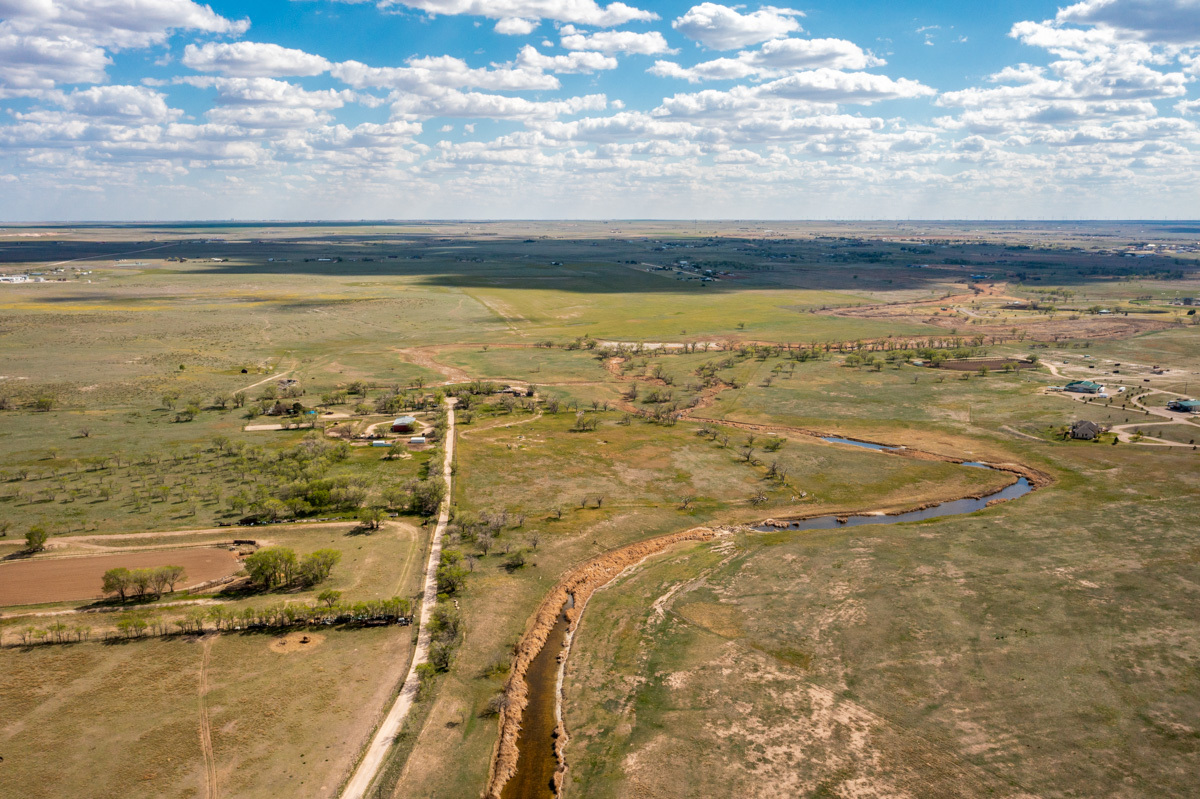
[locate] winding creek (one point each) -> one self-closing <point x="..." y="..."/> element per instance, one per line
<point x="538" y="770"/>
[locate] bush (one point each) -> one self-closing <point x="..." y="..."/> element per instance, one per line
<point x="441" y="655"/>
<point x="36" y="538"/>
<point x="426" y="674"/>
<point x="494" y="705"/>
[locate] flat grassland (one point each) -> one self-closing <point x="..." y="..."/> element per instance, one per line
<point x="170" y="717"/>
<point x="963" y="657"/>
<point x="1041" y="647"/>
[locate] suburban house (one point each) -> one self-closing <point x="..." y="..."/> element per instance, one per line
<point x="1085" y="430"/>
<point x="1185" y="405"/>
<point x="1084" y="387"/>
<point x="405" y="424"/>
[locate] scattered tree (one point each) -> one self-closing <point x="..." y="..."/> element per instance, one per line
<point x="36" y="538"/>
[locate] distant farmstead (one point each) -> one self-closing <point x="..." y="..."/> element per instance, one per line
<point x="405" y="424"/>
<point x="1184" y="405"/>
<point x="1084" y="387"/>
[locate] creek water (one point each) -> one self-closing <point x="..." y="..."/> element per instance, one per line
<point x="864" y="444"/>
<point x="536" y="760"/>
<point x="954" y="508"/>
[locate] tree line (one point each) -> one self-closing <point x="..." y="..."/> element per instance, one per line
<point x="329" y="609"/>
<point x="138" y="583"/>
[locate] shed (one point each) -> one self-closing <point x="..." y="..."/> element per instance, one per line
<point x="1085" y="430"/>
<point x="417" y="440"/>
<point x="1084" y="387"/>
<point x="404" y="424"/>
<point x="381" y="443"/>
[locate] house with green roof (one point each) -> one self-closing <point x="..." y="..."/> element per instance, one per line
<point x="1084" y="387"/>
<point x="1185" y="405"/>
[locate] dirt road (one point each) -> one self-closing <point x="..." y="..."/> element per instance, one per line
<point x="357" y="787"/>
<point x="210" y="760"/>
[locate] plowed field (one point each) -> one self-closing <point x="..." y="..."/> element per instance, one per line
<point x="31" y="582"/>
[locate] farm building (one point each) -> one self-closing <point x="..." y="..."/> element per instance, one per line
<point x="405" y="424"/>
<point x="1085" y="430"/>
<point x="417" y="440"/>
<point x="1185" y="405"/>
<point x="1084" y="387"/>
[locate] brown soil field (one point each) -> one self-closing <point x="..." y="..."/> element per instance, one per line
<point x="296" y="642"/>
<point x="31" y="582"/>
<point x="994" y="364"/>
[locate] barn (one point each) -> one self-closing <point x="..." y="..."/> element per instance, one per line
<point x="405" y="424"/>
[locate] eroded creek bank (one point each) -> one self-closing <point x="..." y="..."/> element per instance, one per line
<point x="529" y="761"/>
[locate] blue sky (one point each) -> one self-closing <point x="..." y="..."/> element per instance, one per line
<point x="320" y="109"/>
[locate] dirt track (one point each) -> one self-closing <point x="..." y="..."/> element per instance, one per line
<point x="29" y="582"/>
<point x="385" y="736"/>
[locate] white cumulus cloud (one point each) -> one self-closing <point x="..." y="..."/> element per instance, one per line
<point x="651" y="43"/>
<point x="721" y="27"/>
<point x="583" y="12"/>
<point x="580" y="61"/>
<point x="47" y="42"/>
<point x="774" y="59"/>
<point x="253" y="60"/>
<point x="1166" y="21"/>
<point x="427" y="74"/>
<point x="516" y="26"/>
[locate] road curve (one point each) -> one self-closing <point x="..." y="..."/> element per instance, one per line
<point x="368" y="767"/>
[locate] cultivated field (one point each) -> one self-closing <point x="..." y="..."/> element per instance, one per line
<point x="33" y="582"/>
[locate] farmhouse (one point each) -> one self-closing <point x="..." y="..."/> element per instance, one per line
<point x="1084" y="387"/>
<point x="405" y="424"/>
<point x="1185" y="405"/>
<point x="1085" y="430"/>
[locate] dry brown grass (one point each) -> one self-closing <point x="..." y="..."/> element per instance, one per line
<point x="284" y="718"/>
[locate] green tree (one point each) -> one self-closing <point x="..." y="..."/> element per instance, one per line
<point x="329" y="596"/>
<point x="141" y="581"/>
<point x="425" y="496"/>
<point x="451" y="574"/>
<point x="371" y="518"/>
<point x="271" y="566"/>
<point x="173" y="575"/>
<point x="116" y="581"/>
<point x="36" y="538"/>
<point x="316" y="567"/>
